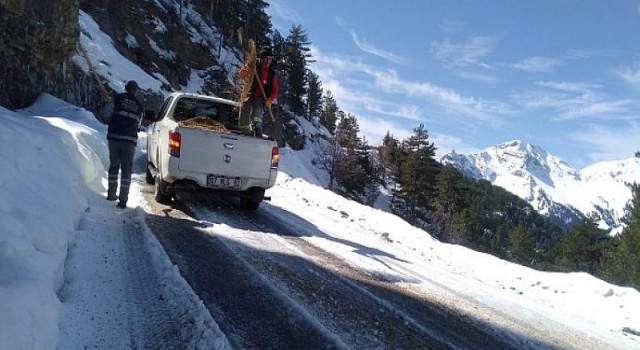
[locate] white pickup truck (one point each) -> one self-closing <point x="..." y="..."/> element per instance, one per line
<point x="194" y="144"/>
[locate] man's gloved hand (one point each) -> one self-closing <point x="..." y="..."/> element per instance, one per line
<point x="267" y="103"/>
<point x="104" y="95"/>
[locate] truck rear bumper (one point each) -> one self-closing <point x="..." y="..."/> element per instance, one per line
<point x="191" y="186"/>
<point x="174" y="174"/>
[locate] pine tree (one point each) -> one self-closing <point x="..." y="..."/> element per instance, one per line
<point x="582" y="248"/>
<point x="279" y="45"/>
<point x="622" y="262"/>
<point x="226" y="14"/>
<point x="373" y="171"/>
<point x="389" y="150"/>
<point x="256" y="21"/>
<point x="330" y="154"/>
<point x="448" y="194"/>
<point x="347" y="132"/>
<point x="314" y="96"/>
<point x="521" y="246"/>
<point x="329" y="114"/>
<point x="417" y="172"/>
<point x="629" y="248"/>
<point x="350" y="173"/>
<point x="295" y="66"/>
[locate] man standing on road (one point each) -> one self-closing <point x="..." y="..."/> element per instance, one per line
<point x="263" y="92"/>
<point x="123" y="114"/>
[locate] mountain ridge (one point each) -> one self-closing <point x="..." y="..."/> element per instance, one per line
<point x="552" y="186"/>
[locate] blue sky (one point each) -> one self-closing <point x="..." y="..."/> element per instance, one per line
<point x="563" y="74"/>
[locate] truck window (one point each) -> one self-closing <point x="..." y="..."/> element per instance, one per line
<point x="164" y="107"/>
<point x="188" y="108"/>
<point x="216" y="111"/>
<point x="185" y="109"/>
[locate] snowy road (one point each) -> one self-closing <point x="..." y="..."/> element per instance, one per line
<point x="121" y="292"/>
<point x="268" y="288"/>
<point x="202" y="274"/>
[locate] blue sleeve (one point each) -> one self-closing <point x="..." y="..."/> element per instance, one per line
<point x="107" y="111"/>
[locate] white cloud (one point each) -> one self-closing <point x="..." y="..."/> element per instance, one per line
<point x="609" y="142"/>
<point x="463" y="54"/>
<point x="278" y="9"/>
<point x="365" y="46"/>
<point x="446" y="98"/>
<point x="477" y="76"/>
<point x="338" y="76"/>
<point x="336" y="73"/>
<point x="583" y="88"/>
<point x="540" y="64"/>
<point x="620" y="109"/>
<point x="375" y="129"/>
<point x="567" y="101"/>
<point x="410" y="112"/>
<point x="447" y="143"/>
<point x="631" y="74"/>
<point x="340" y="21"/>
<point x="536" y="64"/>
<point x="451" y="26"/>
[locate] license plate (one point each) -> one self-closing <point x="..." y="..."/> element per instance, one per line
<point x="223" y="182"/>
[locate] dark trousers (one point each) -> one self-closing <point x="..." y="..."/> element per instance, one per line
<point x="120" y="159"/>
<point x="251" y="115"/>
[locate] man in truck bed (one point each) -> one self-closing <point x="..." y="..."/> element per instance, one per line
<point x="253" y="107"/>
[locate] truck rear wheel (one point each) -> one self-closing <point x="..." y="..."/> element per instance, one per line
<point x="163" y="191"/>
<point x="250" y="203"/>
<point x="252" y="199"/>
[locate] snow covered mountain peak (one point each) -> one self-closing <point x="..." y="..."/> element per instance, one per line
<point x="526" y="160"/>
<point x="626" y="170"/>
<point x="550" y="185"/>
<point x="514" y="161"/>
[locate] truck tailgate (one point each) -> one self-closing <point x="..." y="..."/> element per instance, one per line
<point x="216" y="153"/>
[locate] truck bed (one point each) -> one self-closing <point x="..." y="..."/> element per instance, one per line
<point x="226" y="154"/>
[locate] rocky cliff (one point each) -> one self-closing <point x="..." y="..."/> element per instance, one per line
<point x="37" y="41"/>
<point x="174" y="42"/>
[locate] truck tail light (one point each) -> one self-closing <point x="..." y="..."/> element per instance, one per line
<point x="275" y="157"/>
<point x="174" y="144"/>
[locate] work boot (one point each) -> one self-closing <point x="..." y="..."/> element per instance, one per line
<point x="247" y="131"/>
<point x="122" y="203"/>
<point x="111" y="193"/>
